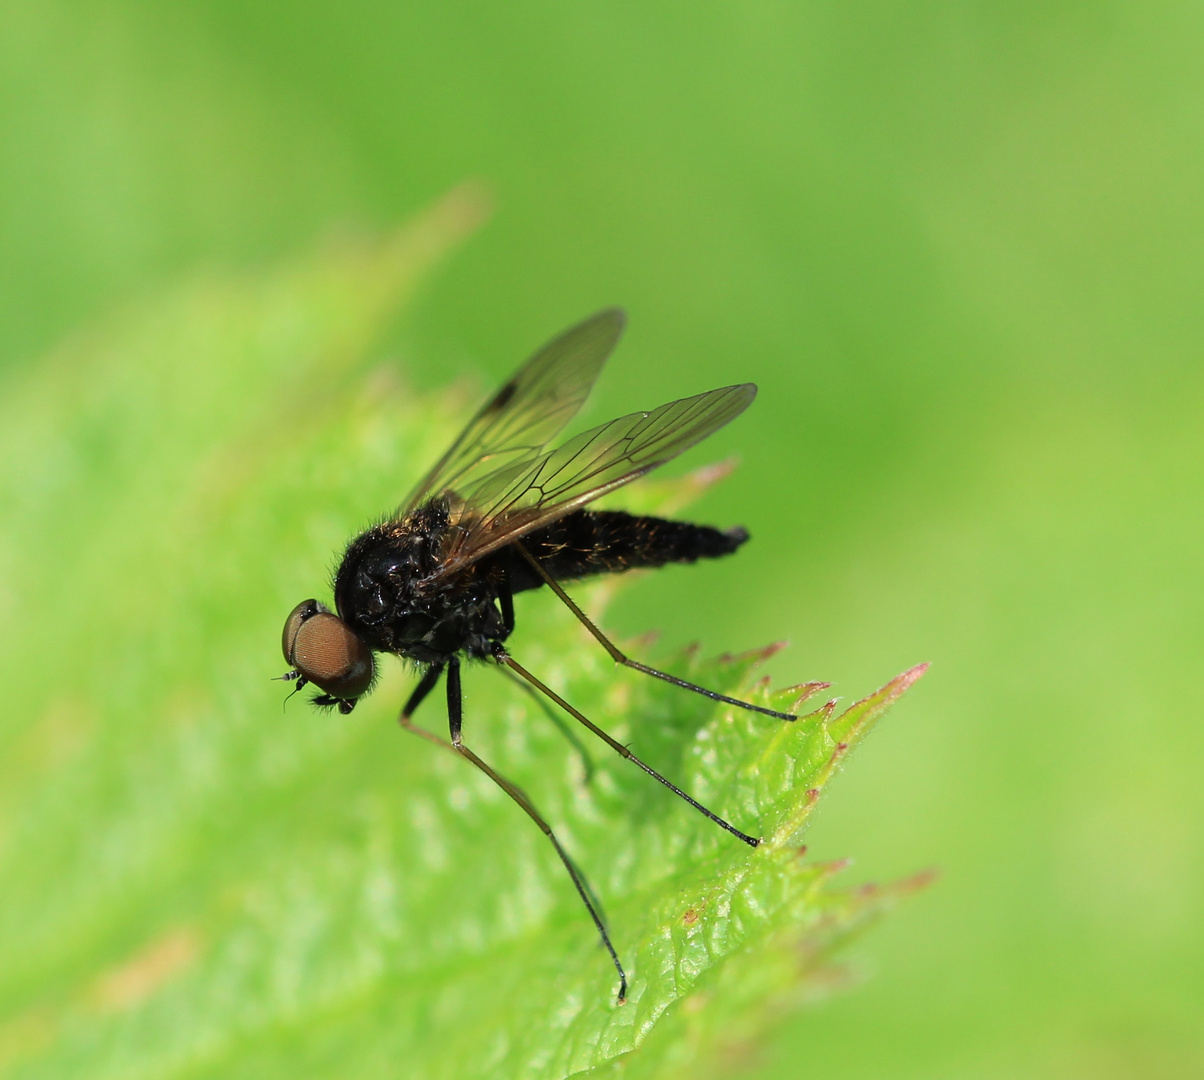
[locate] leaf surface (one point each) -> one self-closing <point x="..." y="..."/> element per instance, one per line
<point x="199" y="884"/>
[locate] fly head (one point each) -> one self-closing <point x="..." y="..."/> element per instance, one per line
<point x="322" y="649"/>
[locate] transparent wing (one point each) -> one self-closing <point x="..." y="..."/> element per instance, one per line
<point x="519" y="420"/>
<point x="511" y="501"/>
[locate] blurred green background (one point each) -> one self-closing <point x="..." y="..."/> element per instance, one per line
<point x="959" y="247"/>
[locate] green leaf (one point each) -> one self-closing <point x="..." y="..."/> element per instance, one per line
<point x="199" y="884"/>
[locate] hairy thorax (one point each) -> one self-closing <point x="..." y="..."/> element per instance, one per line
<point x="388" y="589"/>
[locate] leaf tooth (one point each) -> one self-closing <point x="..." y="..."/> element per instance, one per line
<point x="917" y="881"/>
<point x="800" y="692"/>
<point x="829" y="868"/>
<point x="857" y="719"/>
<point x="829" y="767"/>
<point x="787" y="831"/>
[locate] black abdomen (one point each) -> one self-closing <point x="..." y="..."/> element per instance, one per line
<point x="607" y="541"/>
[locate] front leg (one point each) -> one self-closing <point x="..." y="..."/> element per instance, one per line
<point x="455" y="705"/>
<point x="455" y="717"/>
<point x="424" y="687"/>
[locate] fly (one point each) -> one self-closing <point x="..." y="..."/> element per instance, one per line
<point x="499" y="514"/>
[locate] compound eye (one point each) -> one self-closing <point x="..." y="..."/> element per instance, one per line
<point x="304" y="610"/>
<point x="327" y="652"/>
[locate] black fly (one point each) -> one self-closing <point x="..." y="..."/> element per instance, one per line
<point x="500" y="514"/>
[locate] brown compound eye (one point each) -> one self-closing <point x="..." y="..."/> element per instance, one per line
<point x="325" y="651"/>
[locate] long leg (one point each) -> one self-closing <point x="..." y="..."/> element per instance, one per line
<point x="506" y="599"/>
<point x="571" y="736"/>
<point x="424" y="687"/>
<point x="621" y="657"/>
<point x="505" y="658"/>
<point x="455" y="719"/>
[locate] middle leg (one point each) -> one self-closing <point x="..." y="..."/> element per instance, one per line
<point x="455" y="722"/>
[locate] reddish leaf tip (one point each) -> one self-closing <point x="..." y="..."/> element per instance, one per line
<point x="893" y="690"/>
<point x="835" y="866"/>
<point x="800" y="692"/>
<point x="902" y="682"/>
<point x="920" y="880"/>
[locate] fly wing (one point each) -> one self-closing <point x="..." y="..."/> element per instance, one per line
<point x="513" y="427"/>
<point x="512" y="501"/>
